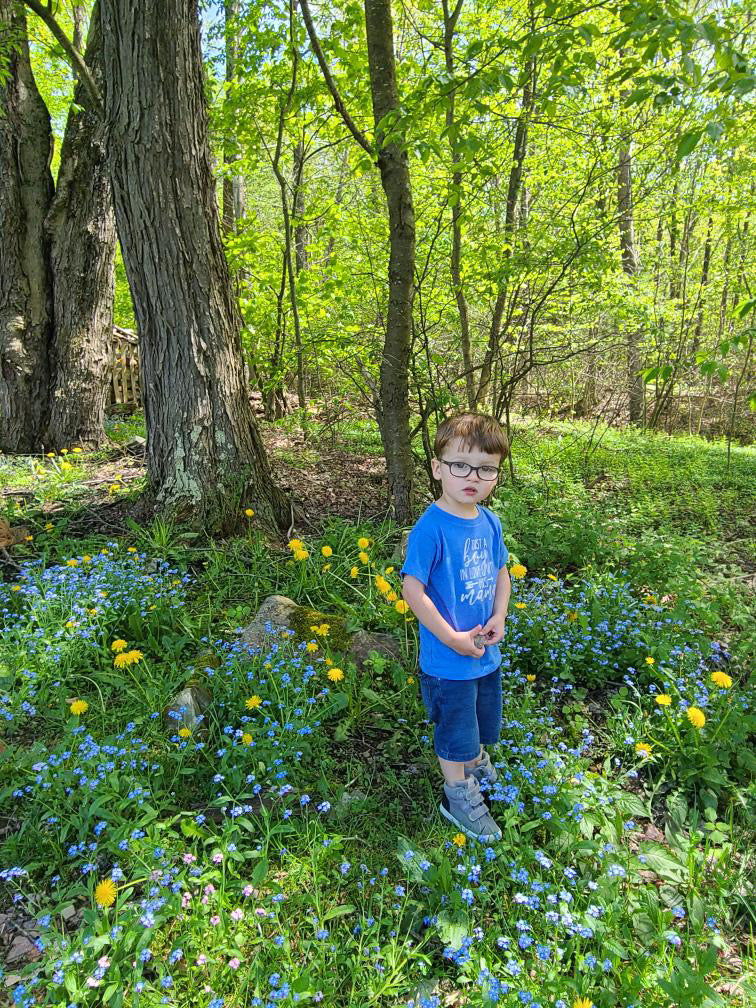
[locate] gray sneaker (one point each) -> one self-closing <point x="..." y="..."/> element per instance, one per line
<point x="463" y="805"/>
<point x="484" y="768"/>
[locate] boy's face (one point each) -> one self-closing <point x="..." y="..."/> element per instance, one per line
<point x="464" y="490"/>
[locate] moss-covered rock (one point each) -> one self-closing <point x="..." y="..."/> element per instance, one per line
<point x="302" y="618"/>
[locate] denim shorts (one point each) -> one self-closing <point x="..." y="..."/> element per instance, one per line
<point x="466" y="713"/>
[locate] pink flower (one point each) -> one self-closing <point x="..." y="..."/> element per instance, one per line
<point x="209" y="889"/>
<point x="234" y="963"/>
<point x="260" y="911"/>
<point x="201" y="959"/>
<point x="189" y="858"/>
<point x="215" y="920"/>
<point x="103" y="962"/>
<point x="247" y="890"/>
<point x="237" y="914"/>
<point x="186" y="899"/>
<point x="217" y="858"/>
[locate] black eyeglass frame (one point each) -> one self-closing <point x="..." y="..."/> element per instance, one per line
<point x="471" y="468"/>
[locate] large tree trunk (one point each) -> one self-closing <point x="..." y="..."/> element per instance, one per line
<point x="204" y="451"/>
<point x="81" y="225"/>
<point x="630" y="267"/>
<point x="392" y="410"/>
<point x="26" y="188"/>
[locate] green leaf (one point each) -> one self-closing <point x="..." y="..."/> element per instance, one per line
<point x="687" y="143"/>
<point x="259" y="871"/>
<point x="339" y="911"/>
<point x="452" y="929"/>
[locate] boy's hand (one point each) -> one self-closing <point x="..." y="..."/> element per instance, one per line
<point x="493" y="631"/>
<point x="463" y="642"/>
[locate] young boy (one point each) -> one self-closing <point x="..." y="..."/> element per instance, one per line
<point x="456" y="582"/>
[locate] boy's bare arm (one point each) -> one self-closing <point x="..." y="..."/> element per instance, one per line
<point x="413" y="593"/>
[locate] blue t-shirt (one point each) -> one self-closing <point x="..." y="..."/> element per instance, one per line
<point x="458" y="560"/>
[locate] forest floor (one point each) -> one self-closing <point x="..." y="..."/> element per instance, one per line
<point x="294" y="828"/>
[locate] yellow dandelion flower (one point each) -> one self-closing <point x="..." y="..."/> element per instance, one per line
<point x="66" y="466"/>
<point x="696" y="717"/>
<point x="520" y="605"/>
<point x="105" y="893"/>
<point x="301" y="554"/>
<point x="583" y="1003"/>
<point x="335" y="674"/>
<point x="323" y="629"/>
<point x="392" y="596"/>
<point x="382" y="584"/>
<point x="572" y="616"/>
<point x="312" y="646"/>
<point x="328" y="661"/>
<point x="253" y="702"/>
<point x="48" y="526"/>
<point x="410" y="679"/>
<point x="389" y="570"/>
<point x="131" y="549"/>
<point x="459" y="839"/>
<point x="92" y="612"/>
<point x="326" y="551"/>
<point x="363" y="543"/>
<point x="664" y="699"/>
<point x="363" y="558"/>
<point x="249" y="512"/>
<point x="530" y="678"/>
<point x="29" y="538"/>
<point x="51" y="454"/>
<point x="64" y="451"/>
<point x="326" y="567"/>
<point x="650" y="660"/>
<point x="721" y="678"/>
<point x="401" y="606"/>
<point x="73" y="562"/>
<point x="77" y="451"/>
<point x="354" y="572"/>
<point x="15" y="587"/>
<point x="247" y="739"/>
<point x="79" y="707"/>
<point x="643" y="749"/>
<point x="70" y="623"/>
<point x="518" y="570"/>
<point x="184" y="732"/>
<point x="86" y="558"/>
<point x="551" y="577"/>
<point x="295" y="544"/>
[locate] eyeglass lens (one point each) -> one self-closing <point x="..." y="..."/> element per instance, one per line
<point x="463" y="469"/>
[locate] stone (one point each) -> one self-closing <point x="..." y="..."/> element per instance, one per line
<point x="283" y="613"/>
<point x="189" y="704"/>
<point x="278" y="610"/>
<point x="22" y="948"/>
<point x="136" y="445"/>
<point x="365" y="641"/>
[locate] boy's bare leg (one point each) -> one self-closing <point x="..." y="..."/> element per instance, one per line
<point x="454" y="773"/>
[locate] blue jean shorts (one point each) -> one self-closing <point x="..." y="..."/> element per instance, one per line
<point x="466" y="713"/>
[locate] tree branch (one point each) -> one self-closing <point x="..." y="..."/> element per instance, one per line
<point x="340" y="107"/>
<point x="75" y="58"/>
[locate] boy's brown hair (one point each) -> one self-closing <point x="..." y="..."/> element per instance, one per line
<point x="476" y="430"/>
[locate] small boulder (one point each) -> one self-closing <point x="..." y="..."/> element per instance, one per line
<point x="365" y="641"/>
<point x="278" y="611"/>
<point x="187" y="706"/>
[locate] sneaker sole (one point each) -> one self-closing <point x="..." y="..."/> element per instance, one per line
<point x="486" y="837"/>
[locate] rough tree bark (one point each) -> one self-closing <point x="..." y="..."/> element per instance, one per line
<point x="204" y="451"/>
<point x="393" y="409"/>
<point x="26" y="188"/>
<point x="630" y="266"/>
<point x="81" y="226"/>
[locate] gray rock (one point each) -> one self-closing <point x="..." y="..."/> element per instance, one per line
<point x="365" y="641"/>
<point x="189" y="704"/>
<point x="136" y="445"/>
<point x="276" y="610"/>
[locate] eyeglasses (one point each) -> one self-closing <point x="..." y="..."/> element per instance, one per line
<point x="462" y="469"/>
